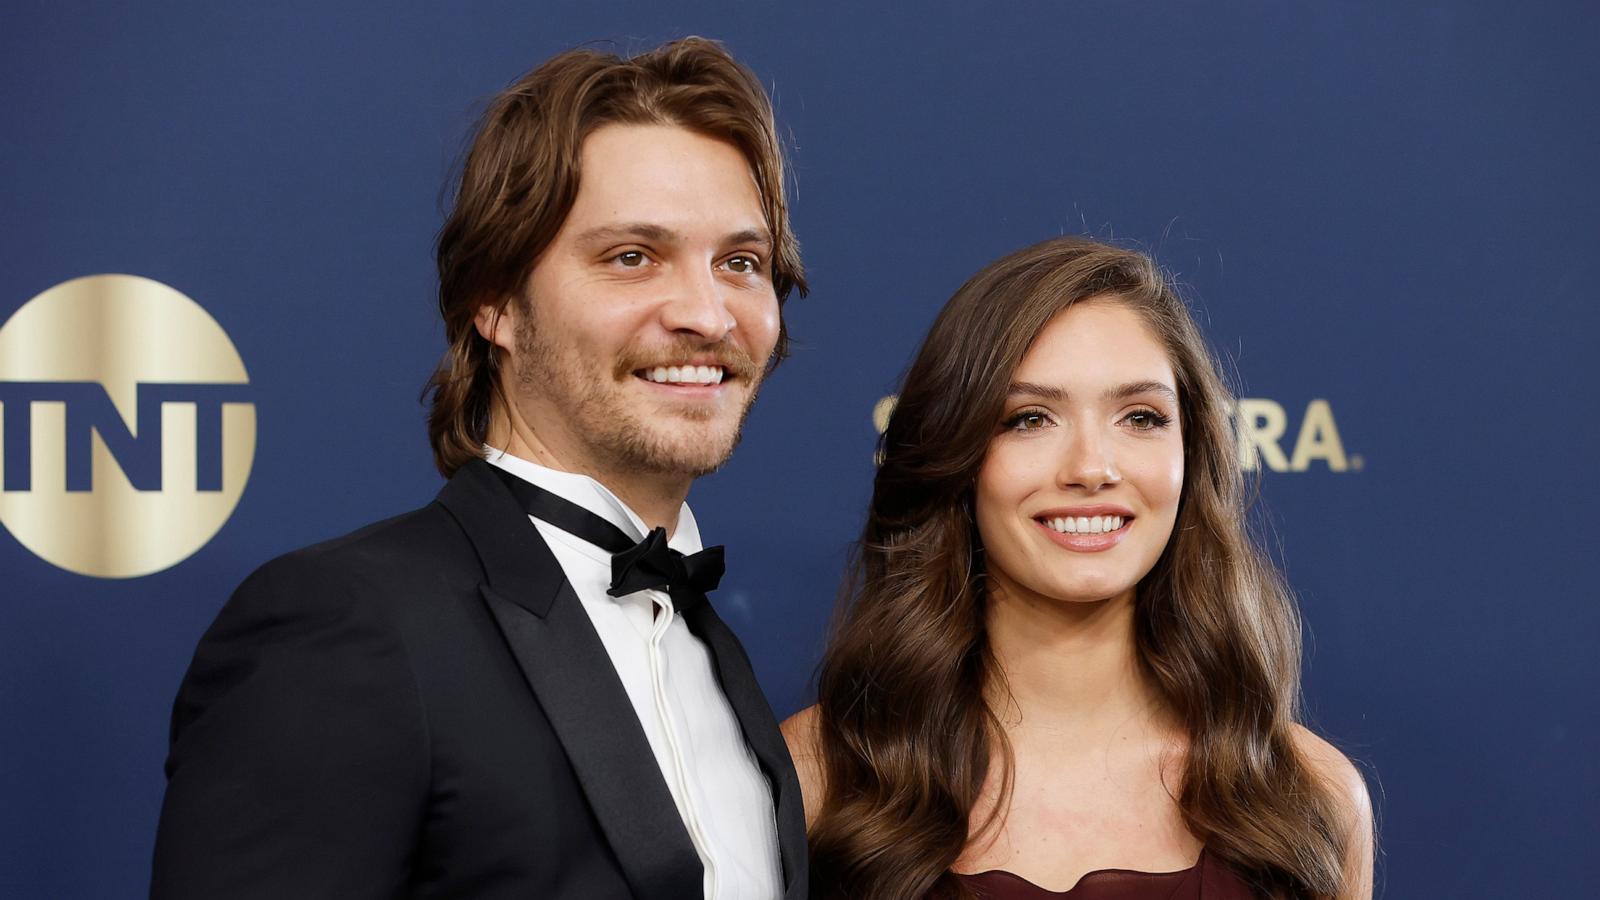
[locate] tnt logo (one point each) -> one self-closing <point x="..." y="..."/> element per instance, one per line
<point x="126" y="433"/>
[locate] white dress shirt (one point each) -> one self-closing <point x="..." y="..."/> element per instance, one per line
<point x="716" y="783"/>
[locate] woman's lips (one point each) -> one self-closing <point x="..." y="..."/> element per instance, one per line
<point x="1087" y="542"/>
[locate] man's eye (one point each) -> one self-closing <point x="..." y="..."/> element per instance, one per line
<point x="744" y="265"/>
<point x="633" y="259"/>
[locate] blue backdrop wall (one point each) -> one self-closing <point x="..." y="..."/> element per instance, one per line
<point x="1387" y="207"/>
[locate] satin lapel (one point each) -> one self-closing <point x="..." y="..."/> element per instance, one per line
<point x="566" y="665"/>
<point x="750" y="705"/>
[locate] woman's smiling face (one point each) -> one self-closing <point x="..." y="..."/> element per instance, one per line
<point x="1078" y="493"/>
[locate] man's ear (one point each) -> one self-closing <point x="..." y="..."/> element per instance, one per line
<point x="497" y="324"/>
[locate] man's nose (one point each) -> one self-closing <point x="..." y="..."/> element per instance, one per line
<point x="696" y="306"/>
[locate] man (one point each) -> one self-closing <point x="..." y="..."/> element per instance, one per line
<point x="520" y="690"/>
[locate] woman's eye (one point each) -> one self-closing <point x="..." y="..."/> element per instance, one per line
<point x="1027" y="421"/>
<point x="1147" y="420"/>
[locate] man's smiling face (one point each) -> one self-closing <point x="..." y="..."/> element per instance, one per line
<point x="646" y="326"/>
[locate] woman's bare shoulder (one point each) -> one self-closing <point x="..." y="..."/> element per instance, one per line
<point x="800" y="732"/>
<point x="1355" y="806"/>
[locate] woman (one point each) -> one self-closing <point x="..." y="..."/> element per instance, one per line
<point x="1063" y="664"/>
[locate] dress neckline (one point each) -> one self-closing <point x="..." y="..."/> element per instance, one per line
<point x="1085" y="877"/>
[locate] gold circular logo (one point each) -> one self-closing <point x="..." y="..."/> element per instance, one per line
<point x="126" y="432"/>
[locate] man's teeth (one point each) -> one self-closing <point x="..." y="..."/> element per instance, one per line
<point x="1085" y="524"/>
<point x="685" y="374"/>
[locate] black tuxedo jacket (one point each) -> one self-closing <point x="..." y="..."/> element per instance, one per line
<point x="423" y="709"/>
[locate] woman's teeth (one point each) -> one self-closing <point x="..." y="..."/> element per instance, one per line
<point x="1084" y="524"/>
<point x="684" y="374"/>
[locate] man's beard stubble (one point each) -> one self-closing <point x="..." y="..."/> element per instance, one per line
<point x="614" y="433"/>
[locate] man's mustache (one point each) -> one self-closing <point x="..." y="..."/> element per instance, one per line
<point x="734" y="361"/>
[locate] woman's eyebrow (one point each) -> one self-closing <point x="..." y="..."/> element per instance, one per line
<point x="1120" y="392"/>
<point x="1030" y="389"/>
<point x="1135" y="388"/>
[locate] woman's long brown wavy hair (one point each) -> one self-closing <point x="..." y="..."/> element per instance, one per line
<point x="905" y="737"/>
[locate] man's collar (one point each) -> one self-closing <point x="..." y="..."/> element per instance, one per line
<point x="597" y="498"/>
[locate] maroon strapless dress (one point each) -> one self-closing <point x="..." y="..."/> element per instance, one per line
<point x="1207" y="879"/>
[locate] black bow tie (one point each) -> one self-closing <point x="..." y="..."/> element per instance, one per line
<point x="635" y="566"/>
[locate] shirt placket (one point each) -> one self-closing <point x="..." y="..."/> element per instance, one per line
<point x="658" y="687"/>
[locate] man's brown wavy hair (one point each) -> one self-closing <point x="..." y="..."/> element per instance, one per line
<point x="521" y="176"/>
<point x="905" y="736"/>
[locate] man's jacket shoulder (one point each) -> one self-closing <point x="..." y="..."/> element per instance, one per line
<point x="418" y="552"/>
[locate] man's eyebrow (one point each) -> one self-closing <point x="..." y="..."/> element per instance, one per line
<point x="660" y="234"/>
<point x="626" y="230"/>
<point x="759" y="236"/>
